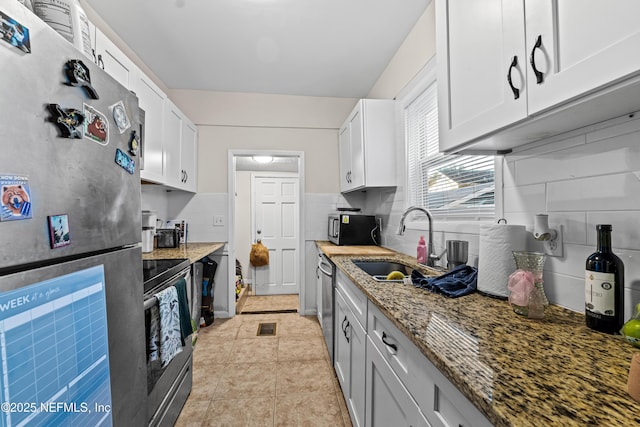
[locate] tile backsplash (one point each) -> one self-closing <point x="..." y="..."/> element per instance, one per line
<point x="582" y="178"/>
<point x="586" y="177"/>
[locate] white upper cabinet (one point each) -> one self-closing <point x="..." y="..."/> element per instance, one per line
<point x="111" y="59"/>
<point x="189" y="156"/>
<point x="173" y="142"/>
<point x="481" y="41"/>
<point x="151" y="99"/>
<point x="584" y="45"/>
<point x="367" y="142"/>
<point x="512" y="72"/>
<point x="180" y="149"/>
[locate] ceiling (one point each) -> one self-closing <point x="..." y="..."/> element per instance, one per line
<point x="335" y="48"/>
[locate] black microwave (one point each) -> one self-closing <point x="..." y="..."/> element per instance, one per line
<point x="348" y="229"/>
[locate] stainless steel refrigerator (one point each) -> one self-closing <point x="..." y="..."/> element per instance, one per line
<point x="71" y="305"/>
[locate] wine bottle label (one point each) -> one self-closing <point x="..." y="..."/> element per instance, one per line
<point x="600" y="294"/>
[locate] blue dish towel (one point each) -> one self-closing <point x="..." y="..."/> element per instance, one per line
<point x="460" y="281"/>
<point x="186" y="328"/>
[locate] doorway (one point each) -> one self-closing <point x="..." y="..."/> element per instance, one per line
<point x="254" y="184"/>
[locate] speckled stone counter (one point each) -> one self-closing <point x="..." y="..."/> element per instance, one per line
<point x="518" y="372"/>
<point x="192" y="251"/>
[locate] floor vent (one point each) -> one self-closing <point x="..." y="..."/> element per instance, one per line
<point x="266" y="329"/>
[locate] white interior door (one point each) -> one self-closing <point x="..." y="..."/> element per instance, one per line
<point x="275" y="214"/>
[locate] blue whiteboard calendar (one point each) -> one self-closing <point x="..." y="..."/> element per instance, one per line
<point x="54" y="348"/>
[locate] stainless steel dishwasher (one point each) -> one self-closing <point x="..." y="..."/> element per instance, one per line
<point x="327" y="270"/>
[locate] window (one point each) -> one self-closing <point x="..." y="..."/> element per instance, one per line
<point x="448" y="185"/>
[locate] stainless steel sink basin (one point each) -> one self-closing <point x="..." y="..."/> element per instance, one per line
<point x="379" y="270"/>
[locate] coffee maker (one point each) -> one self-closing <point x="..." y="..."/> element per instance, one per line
<point x="149" y="225"/>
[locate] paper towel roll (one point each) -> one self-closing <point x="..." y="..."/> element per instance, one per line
<point x="495" y="258"/>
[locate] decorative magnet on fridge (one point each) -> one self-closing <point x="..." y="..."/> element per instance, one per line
<point x="69" y="121"/>
<point x="15" y="198"/>
<point x="14" y="33"/>
<point x="120" y="116"/>
<point x="59" y="231"/>
<point x="78" y="75"/>
<point x="96" y="126"/>
<point x="125" y="161"/>
<point x="134" y="143"/>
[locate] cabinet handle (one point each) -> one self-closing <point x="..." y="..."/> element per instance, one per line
<point x="384" y="340"/>
<point x="93" y="52"/>
<point x="100" y="61"/>
<point x="516" y="91"/>
<point x="346" y="332"/>
<point x="186" y="177"/>
<point x="538" y="73"/>
<point x="343" y="327"/>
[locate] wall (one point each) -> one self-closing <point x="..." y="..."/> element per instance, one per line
<point x="243" y="222"/>
<point x="241" y="121"/>
<point x="581" y="179"/>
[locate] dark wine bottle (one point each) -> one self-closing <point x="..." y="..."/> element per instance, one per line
<point x="604" y="286"/>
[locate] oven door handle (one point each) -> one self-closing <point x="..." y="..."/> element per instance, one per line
<point x="325" y="272"/>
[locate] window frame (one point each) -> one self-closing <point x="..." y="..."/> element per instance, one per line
<point x="426" y="77"/>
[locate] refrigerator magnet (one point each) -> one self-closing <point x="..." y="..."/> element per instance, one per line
<point x="96" y="125"/>
<point x="15" y="198"/>
<point x="14" y="33"/>
<point x="126" y="162"/>
<point x="134" y="143"/>
<point x="120" y="116"/>
<point x="59" y="230"/>
<point x="78" y="75"/>
<point x="69" y="121"/>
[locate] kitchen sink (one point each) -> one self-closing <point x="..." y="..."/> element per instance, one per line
<point x="379" y="270"/>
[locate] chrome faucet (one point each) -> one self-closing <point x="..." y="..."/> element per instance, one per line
<point x="431" y="257"/>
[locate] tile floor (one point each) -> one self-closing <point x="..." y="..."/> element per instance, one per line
<point x="241" y="379"/>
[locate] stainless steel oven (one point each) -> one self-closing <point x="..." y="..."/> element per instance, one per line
<point x="167" y="387"/>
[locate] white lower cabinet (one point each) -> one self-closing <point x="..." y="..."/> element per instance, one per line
<point x="349" y="363"/>
<point x="388" y="403"/>
<point x="440" y="403"/>
<point x="385" y="378"/>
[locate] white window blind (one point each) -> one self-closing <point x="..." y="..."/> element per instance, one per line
<point x="447" y="184"/>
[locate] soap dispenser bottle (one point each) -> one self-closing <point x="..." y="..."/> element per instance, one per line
<point x="422" y="251"/>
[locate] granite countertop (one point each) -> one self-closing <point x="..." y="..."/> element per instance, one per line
<point x="517" y="371"/>
<point x="192" y="251"/>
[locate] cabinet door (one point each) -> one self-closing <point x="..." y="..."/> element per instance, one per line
<point x="388" y="403"/>
<point x="350" y="348"/>
<point x="341" y="347"/>
<point x="189" y="156"/>
<point x="357" y="149"/>
<point x="345" y="158"/>
<point x="584" y="45"/>
<point x="172" y="144"/>
<point x="357" y="390"/>
<point x="477" y="43"/>
<point x="113" y="60"/>
<point x="151" y="100"/>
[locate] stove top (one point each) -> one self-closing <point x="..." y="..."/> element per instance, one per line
<point x="156" y="271"/>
